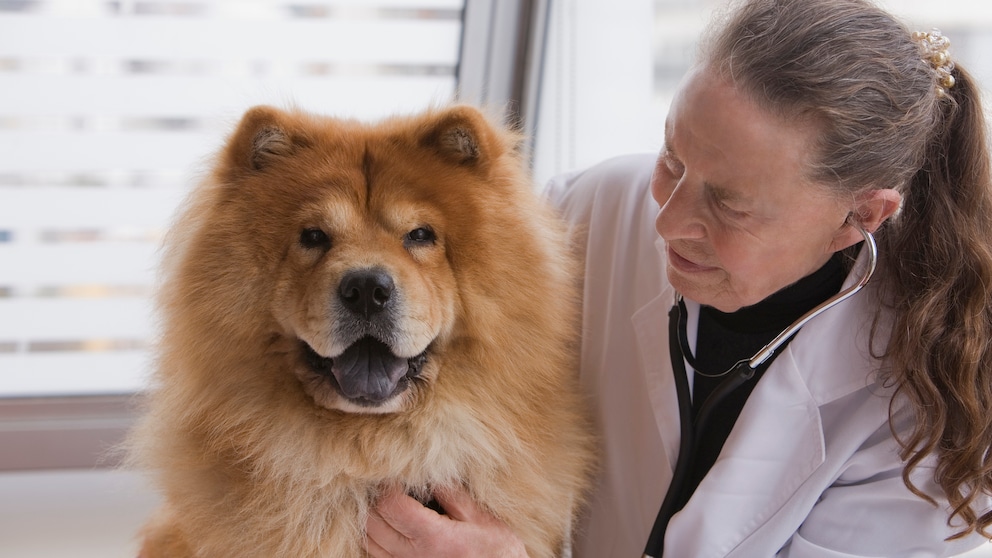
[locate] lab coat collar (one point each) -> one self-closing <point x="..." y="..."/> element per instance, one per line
<point x="650" y="325"/>
<point x="651" y="328"/>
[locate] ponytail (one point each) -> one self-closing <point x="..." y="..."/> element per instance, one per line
<point x="938" y="261"/>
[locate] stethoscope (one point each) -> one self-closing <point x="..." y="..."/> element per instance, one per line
<point x="743" y="371"/>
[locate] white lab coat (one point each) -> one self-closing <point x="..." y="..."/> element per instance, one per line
<point x="811" y="467"/>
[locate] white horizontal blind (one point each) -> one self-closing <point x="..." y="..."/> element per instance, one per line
<point x="110" y="110"/>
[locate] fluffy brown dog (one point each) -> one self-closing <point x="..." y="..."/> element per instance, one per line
<point x="350" y="306"/>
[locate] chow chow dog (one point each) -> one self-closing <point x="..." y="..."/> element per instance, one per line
<point x="349" y="306"/>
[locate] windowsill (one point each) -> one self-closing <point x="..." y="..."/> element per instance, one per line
<point x="64" y="432"/>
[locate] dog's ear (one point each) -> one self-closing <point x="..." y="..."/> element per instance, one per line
<point x="463" y="136"/>
<point x="262" y="137"/>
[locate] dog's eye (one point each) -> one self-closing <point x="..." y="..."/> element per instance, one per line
<point x="315" y="238"/>
<point x="420" y="235"/>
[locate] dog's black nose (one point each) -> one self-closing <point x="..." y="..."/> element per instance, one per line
<point x="366" y="291"/>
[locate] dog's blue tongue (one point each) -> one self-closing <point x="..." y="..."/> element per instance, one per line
<point x="369" y="370"/>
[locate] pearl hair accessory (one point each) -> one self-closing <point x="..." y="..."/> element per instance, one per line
<point x="933" y="46"/>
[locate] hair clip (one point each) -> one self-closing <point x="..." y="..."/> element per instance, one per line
<point x="933" y="46"/>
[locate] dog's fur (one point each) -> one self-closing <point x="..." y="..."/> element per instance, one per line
<point x="465" y="300"/>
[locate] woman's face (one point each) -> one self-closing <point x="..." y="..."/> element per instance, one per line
<point x="739" y="219"/>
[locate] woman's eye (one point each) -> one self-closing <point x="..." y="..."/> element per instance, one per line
<point x="421" y="235"/>
<point x="315" y="238"/>
<point x="731" y="212"/>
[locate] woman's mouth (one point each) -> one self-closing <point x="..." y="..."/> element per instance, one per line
<point x="685" y="265"/>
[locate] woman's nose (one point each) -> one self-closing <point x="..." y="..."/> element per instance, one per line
<point x="681" y="215"/>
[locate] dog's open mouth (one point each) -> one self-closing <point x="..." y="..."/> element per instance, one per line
<point x="367" y="373"/>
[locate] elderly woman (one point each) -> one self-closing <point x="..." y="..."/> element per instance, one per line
<point x="806" y="126"/>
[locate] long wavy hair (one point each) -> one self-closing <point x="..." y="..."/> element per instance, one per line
<point x="858" y="74"/>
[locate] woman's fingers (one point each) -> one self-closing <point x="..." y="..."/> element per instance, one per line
<point x="402" y="527"/>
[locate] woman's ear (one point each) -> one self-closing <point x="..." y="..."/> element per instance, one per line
<point x="871" y="209"/>
<point x="875" y="206"/>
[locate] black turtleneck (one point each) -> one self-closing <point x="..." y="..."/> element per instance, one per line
<point x="723" y="339"/>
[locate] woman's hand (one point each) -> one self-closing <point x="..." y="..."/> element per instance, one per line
<point x="401" y="527"/>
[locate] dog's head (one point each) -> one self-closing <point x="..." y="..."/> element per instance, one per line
<point x="358" y="238"/>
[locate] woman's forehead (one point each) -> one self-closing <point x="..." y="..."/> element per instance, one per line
<point x="713" y="125"/>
